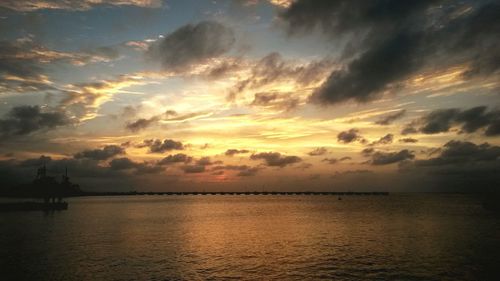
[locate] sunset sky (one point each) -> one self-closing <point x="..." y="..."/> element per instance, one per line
<point x="191" y="95"/>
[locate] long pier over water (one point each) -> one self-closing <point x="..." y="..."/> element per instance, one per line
<point x="376" y="193"/>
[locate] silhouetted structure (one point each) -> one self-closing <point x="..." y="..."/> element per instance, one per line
<point x="43" y="187"/>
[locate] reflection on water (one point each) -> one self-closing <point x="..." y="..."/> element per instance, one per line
<point x="397" y="237"/>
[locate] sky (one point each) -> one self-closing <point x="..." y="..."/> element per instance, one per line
<point x="255" y="95"/>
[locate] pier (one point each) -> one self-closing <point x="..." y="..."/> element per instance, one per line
<point x="247" y="193"/>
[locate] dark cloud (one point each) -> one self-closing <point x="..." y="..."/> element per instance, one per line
<point x="193" y="169"/>
<point x="458" y="152"/>
<point x="124" y="163"/>
<point x="223" y="69"/>
<point x="409" y="129"/>
<point x="331" y="161"/>
<point x="408" y="140"/>
<point x="388" y="41"/>
<point x="352" y="173"/>
<point x="35" y="162"/>
<point x="303" y="166"/>
<point x="140" y="124"/>
<point x="350" y="136"/>
<point x="159" y="146"/>
<point x="459" y="165"/>
<point x="175" y="158"/>
<point x="273" y="68"/>
<point x="387" y="139"/>
<point x="192" y="44"/>
<point x="23" y="61"/>
<point x="367" y="151"/>
<point x="20" y="73"/>
<point x="14" y="171"/>
<point x="385" y="158"/>
<point x="318" y="151"/>
<point x="23" y="120"/>
<point x="275" y="159"/>
<point x="470" y="121"/>
<point x="341" y="16"/>
<point x="232" y="152"/>
<point x="276" y="101"/>
<point x="206" y="161"/>
<point x="363" y="80"/>
<point x="249" y="172"/>
<point x="388" y="119"/>
<point x="105" y="153"/>
<point x="243" y="170"/>
<point x="82" y="5"/>
<point x="438" y="121"/>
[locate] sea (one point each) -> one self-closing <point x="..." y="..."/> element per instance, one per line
<point x="402" y="236"/>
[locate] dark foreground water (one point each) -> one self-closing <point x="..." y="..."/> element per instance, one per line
<point x="396" y="237"/>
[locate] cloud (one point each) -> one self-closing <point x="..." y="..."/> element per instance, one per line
<point x="84" y="99"/>
<point x="81" y="5"/>
<point x="175" y="158"/>
<point x="206" y="161"/>
<point x="438" y="121"/>
<point x="350" y="136"/>
<point x="409" y="129"/>
<point x="124" y="163"/>
<point x="20" y="72"/>
<point x="318" y="151"/>
<point x="273" y="69"/>
<point x="222" y="69"/>
<point x="367" y="151"/>
<point x="330" y="161"/>
<point x="78" y="167"/>
<point x="191" y="45"/>
<point x="140" y="124"/>
<point x="385" y="158"/>
<point x="389" y="41"/>
<point x="193" y="169"/>
<point x="387" y="139"/>
<point x="243" y="170"/>
<point x="459" y="165"/>
<point x="232" y="152"/>
<point x="463" y="152"/>
<point x="363" y="80"/>
<point x="88" y="173"/>
<point x="199" y="166"/>
<point x="275" y="101"/>
<point x="470" y="121"/>
<point x="169" y="116"/>
<point x="83" y="167"/>
<point x="159" y="146"/>
<point x="388" y="119"/>
<point x="105" y="153"/>
<point x="408" y="140"/>
<point x="352" y="173"/>
<point x="275" y="159"/>
<point x="24" y="120"/>
<point x="249" y="172"/>
<point x="22" y="63"/>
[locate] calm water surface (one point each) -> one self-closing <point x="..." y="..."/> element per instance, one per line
<point x="396" y="237"/>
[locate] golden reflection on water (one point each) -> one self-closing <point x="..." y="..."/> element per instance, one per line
<point x="408" y="237"/>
